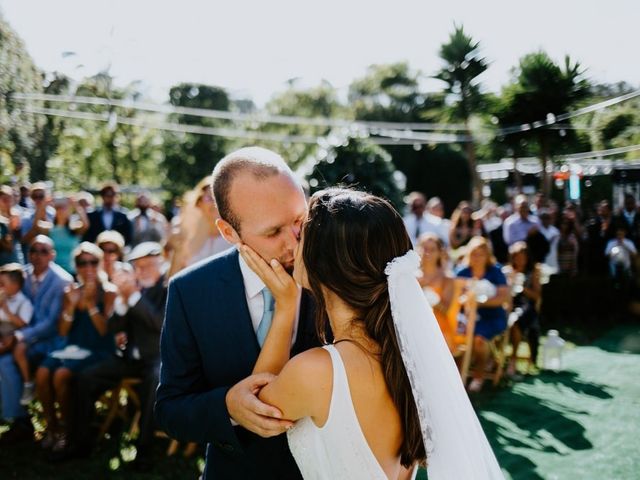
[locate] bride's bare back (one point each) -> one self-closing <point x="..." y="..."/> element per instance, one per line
<point x="305" y="386"/>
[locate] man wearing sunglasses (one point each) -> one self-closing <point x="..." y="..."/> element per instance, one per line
<point x="139" y="312"/>
<point x="44" y="286"/>
<point x="39" y="220"/>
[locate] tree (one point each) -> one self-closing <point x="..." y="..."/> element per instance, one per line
<point x="541" y="89"/>
<point x="88" y="152"/>
<point x="392" y="93"/>
<point x="358" y="164"/>
<point x="18" y="74"/>
<point x="463" y="97"/>
<point x="317" y="102"/>
<point x="48" y="136"/>
<point x="189" y="157"/>
<point x="617" y="126"/>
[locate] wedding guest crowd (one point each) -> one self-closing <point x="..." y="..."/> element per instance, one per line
<point x="519" y="247"/>
<point x="82" y="295"/>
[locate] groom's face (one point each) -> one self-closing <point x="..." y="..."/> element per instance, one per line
<point x="270" y="212"/>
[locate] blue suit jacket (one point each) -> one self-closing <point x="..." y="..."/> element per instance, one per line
<point x="121" y="224"/>
<point x="207" y="345"/>
<point x="42" y="332"/>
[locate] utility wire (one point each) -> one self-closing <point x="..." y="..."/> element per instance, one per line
<point x="417" y="138"/>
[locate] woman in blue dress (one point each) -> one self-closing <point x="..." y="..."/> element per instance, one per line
<point x="83" y="325"/>
<point x="480" y="264"/>
<point x="67" y="230"/>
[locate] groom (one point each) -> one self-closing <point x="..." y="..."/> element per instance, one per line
<point x="209" y="344"/>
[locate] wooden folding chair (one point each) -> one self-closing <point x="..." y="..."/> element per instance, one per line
<point x="116" y="401"/>
<point x="464" y="342"/>
<point x="464" y="303"/>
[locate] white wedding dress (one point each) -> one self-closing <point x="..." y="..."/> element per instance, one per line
<point x="455" y="443"/>
<point x="338" y="450"/>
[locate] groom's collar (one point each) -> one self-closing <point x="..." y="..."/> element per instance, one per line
<point x="253" y="285"/>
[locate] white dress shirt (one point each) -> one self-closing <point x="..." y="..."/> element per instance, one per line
<point x="253" y="287"/>
<point x="18" y="305"/>
<point x="428" y="223"/>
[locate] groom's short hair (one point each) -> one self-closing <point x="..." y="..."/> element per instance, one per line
<point x="260" y="162"/>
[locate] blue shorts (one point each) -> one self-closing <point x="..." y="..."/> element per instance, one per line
<point x="74" y="365"/>
<point x="488" y="329"/>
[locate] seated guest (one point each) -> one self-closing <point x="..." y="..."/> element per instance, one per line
<point x="10" y="224"/>
<point x="480" y="265"/>
<point x="15" y="312"/>
<point x="523" y="275"/>
<point x="112" y="245"/>
<point x="38" y="220"/>
<point x="139" y="312"/>
<point x="438" y="286"/>
<point x="69" y="224"/>
<point x="620" y="251"/>
<point x="464" y="226"/>
<point x="83" y="324"/>
<point x="44" y="287"/>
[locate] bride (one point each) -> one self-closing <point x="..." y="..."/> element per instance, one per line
<point x="385" y="395"/>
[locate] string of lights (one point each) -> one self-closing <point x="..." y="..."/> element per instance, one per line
<point x="381" y="133"/>
<point x="416" y="139"/>
<point x="255" y="118"/>
<point x="396" y="130"/>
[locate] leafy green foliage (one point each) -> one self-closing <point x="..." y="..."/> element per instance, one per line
<point x="541" y="87"/>
<point x="18" y="128"/>
<point x="189" y="157"/>
<point x="462" y="65"/>
<point x="83" y="154"/>
<point x="617" y="127"/>
<point x="462" y="95"/>
<point x="358" y="164"/>
<point x="317" y="102"/>
<point x="389" y="92"/>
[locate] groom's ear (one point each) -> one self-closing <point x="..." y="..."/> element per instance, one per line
<point x="228" y="232"/>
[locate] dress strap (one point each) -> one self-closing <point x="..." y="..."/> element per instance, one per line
<point x="340" y="393"/>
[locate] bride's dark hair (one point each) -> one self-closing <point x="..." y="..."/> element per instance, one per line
<point x="349" y="237"/>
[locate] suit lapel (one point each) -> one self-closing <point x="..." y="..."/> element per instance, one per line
<point x="236" y="311"/>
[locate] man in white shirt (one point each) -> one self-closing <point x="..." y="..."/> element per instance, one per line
<point x="517" y="227"/>
<point x="419" y="221"/>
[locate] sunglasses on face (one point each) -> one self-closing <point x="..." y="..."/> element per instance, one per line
<point x="39" y="251"/>
<point x="37" y="196"/>
<point x="84" y="263"/>
<point x="109" y="250"/>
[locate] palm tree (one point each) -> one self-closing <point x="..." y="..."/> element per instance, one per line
<point x="541" y="90"/>
<point x="462" y="66"/>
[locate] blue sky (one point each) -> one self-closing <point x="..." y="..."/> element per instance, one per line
<point x="253" y="48"/>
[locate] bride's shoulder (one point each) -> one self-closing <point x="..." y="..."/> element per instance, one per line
<point x="303" y="387"/>
<point x="312" y="367"/>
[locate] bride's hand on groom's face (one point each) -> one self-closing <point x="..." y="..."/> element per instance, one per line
<point x="282" y="285"/>
<point x="245" y="407"/>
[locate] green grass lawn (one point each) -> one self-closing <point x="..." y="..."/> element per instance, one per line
<point x="581" y="423"/>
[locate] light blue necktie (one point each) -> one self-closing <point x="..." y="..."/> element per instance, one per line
<point x="267" y="315"/>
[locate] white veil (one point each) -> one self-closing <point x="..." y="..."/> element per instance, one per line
<point x="455" y="442"/>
